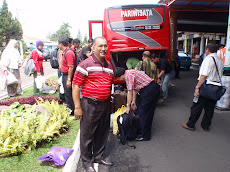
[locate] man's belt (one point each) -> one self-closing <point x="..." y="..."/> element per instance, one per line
<point x="95" y="99"/>
<point x="64" y="73"/>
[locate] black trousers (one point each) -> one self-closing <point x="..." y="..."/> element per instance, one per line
<point x="196" y="110"/>
<point x="61" y="96"/>
<point x="177" y="71"/>
<point x="68" y="94"/>
<point x="94" y="129"/>
<point x="146" y="104"/>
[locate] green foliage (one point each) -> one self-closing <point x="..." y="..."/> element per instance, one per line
<point x="79" y="35"/>
<point x="28" y="162"/>
<point x="85" y="40"/>
<point x="63" y="32"/>
<point x="21" y="129"/>
<point x="25" y="48"/>
<point x="10" y="28"/>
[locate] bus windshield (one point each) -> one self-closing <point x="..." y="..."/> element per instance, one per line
<point x="136" y="19"/>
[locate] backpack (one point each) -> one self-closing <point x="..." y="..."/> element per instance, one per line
<point x="53" y="60"/>
<point x="127" y="127"/>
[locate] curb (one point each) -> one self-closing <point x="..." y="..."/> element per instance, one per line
<point x="72" y="162"/>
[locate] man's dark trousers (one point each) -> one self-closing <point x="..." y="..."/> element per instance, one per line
<point x="68" y="94"/>
<point x="61" y="96"/>
<point x="196" y="110"/>
<point x="146" y="104"/>
<point x="94" y="129"/>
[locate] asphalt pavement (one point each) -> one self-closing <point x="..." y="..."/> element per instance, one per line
<point x="172" y="148"/>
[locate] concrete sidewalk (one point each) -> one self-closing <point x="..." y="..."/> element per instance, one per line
<point x="172" y="148"/>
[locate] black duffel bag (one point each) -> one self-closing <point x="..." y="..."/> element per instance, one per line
<point x="210" y="91"/>
<point x="213" y="92"/>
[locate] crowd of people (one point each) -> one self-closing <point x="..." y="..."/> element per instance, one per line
<point x="91" y="75"/>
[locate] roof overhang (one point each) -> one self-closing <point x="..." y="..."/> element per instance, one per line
<point x="197" y="5"/>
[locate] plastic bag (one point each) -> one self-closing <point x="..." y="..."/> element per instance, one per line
<point x="58" y="155"/>
<point x="40" y="82"/>
<point x="24" y="62"/>
<point x="29" y="67"/>
<point x="119" y="112"/>
<point x="61" y="89"/>
<point x="10" y="78"/>
<point x="3" y="80"/>
<point x="47" y="90"/>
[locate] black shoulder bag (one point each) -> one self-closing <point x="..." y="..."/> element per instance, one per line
<point x="213" y="92"/>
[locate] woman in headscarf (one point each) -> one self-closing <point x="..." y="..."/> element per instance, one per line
<point x="38" y="58"/>
<point x="11" y="61"/>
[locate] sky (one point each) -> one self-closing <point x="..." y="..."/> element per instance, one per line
<point x="41" y="17"/>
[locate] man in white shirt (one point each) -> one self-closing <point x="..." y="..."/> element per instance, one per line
<point x="207" y="72"/>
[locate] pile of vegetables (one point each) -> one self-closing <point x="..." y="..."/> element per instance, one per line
<point x="52" y="83"/>
<point x="29" y="100"/>
<point x="22" y="128"/>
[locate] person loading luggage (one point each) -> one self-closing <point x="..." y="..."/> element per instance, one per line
<point x="145" y="103"/>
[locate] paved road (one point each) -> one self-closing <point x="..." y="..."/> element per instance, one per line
<point x="26" y="81"/>
<point x="172" y="148"/>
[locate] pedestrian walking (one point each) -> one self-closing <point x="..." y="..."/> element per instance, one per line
<point x="145" y="102"/>
<point x="38" y="58"/>
<point x="208" y="73"/>
<point x="177" y="66"/>
<point x="11" y="62"/>
<point x="95" y="76"/>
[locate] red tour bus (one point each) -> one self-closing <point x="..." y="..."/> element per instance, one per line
<point x="132" y="29"/>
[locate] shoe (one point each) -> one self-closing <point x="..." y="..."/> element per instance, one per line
<point x="20" y="93"/>
<point x="90" y="169"/>
<point x="104" y="162"/>
<point x="172" y="85"/>
<point x="141" y="139"/>
<point x="187" y="127"/>
<point x="205" y="129"/>
<point x="162" y="101"/>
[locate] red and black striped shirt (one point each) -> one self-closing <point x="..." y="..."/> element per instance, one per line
<point x="94" y="78"/>
<point x="136" y="80"/>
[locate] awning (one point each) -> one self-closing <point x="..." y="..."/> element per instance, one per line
<point x="197" y="5"/>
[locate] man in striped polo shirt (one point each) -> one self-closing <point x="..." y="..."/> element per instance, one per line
<point x="145" y="103"/>
<point x="95" y="76"/>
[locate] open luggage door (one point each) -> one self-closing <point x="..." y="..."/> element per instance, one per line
<point x="95" y="28"/>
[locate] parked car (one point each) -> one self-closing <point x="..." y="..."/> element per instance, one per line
<point x="185" y="60"/>
<point x="46" y="54"/>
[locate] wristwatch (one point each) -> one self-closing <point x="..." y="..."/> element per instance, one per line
<point x="69" y="79"/>
<point x="197" y="87"/>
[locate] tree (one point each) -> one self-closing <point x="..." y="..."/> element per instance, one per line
<point x="85" y="40"/>
<point x="63" y="32"/>
<point x="16" y="29"/>
<point x="79" y="35"/>
<point x="53" y="37"/>
<point x="10" y="28"/>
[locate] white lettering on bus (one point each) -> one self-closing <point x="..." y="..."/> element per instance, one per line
<point x="136" y="13"/>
